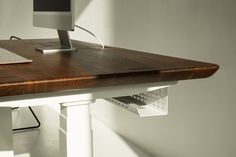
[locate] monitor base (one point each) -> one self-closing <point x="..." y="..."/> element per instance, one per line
<point x="48" y="50"/>
<point x="65" y="44"/>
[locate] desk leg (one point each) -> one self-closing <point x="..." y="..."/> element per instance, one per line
<point x="6" y="136"/>
<point x="75" y="130"/>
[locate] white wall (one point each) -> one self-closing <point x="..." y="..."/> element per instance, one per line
<point x="201" y="120"/>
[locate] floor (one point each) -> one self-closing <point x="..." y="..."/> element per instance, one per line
<point x="44" y="142"/>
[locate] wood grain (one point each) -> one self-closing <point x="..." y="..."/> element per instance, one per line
<point x="90" y="67"/>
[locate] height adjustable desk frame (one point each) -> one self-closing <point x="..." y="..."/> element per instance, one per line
<point x="75" y="120"/>
<point x="76" y="79"/>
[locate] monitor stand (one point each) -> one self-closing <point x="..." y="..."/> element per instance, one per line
<point x="65" y="44"/>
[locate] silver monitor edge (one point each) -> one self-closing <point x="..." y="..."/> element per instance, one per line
<point x="56" y="20"/>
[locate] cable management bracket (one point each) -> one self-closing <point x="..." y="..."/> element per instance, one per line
<point x="151" y="103"/>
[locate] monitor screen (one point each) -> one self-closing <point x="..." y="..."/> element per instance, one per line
<point x="52" y="5"/>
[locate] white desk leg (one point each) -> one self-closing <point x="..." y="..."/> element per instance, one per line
<point x="75" y="130"/>
<point x="6" y="136"/>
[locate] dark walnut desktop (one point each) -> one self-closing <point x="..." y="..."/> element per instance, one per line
<point x="90" y="67"/>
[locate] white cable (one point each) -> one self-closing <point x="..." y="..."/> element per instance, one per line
<point x="91" y="34"/>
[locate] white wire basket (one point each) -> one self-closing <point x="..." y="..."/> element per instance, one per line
<point x="152" y="103"/>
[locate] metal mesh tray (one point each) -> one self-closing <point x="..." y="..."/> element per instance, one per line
<point x="152" y="103"/>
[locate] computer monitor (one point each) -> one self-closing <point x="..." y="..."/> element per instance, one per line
<point x="55" y="14"/>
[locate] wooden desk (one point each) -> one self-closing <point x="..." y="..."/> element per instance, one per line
<point x="76" y="78"/>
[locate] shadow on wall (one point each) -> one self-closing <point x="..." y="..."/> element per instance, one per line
<point x="115" y="145"/>
<point x="141" y="23"/>
<point x="190" y="29"/>
<point x="80" y="6"/>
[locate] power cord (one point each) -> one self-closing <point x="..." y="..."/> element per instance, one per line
<point x="91" y="34"/>
<point x="14" y="37"/>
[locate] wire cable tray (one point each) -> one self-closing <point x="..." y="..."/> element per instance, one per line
<point x="151" y="103"/>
